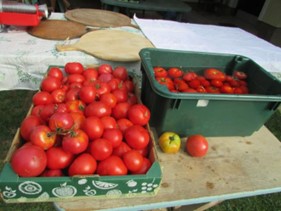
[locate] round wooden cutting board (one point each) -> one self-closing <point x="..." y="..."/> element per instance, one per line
<point x="58" y="30"/>
<point x="98" y="18"/>
<point x="112" y="45"/>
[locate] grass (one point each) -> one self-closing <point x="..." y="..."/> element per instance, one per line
<point x="13" y="108"/>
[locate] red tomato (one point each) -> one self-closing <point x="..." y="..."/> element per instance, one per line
<point x="139" y="114"/>
<point x="189" y="76"/>
<point x="240" y="75"/>
<point x="129" y="84"/>
<point x="58" y="95"/>
<point x="76" y="79"/>
<point x="216" y="83"/>
<point x="227" y="89"/>
<point x="121" y="95"/>
<point x="27" y="125"/>
<point x="84" y="164"/>
<point x="101" y="88"/>
<point x="137" y="137"/>
<point x="109" y="99"/>
<point x="133" y="160"/>
<point x="121" y="110"/>
<point x="124" y="124"/>
<point x="52" y="173"/>
<point x="75" y="142"/>
<point x="93" y="127"/>
<point x="42" y="98"/>
<point x="87" y="94"/>
<point x="98" y="109"/>
<point x="57" y="158"/>
<point x="114" y="83"/>
<point x="212" y="89"/>
<point x="160" y="72"/>
<point x="105" y="68"/>
<point x="109" y="122"/>
<point x="90" y="74"/>
<point x="29" y="161"/>
<point x="47" y="111"/>
<point x="75" y="106"/>
<point x="120" y="72"/>
<point x="50" y="84"/>
<point x="56" y="73"/>
<point x="112" y="166"/>
<point x="201" y="89"/>
<point x="73" y="68"/>
<point x="180" y="85"/>
<point x="43" y="137"/>
<point x="196" y="145"/>
<point x="100" y="148"/>
<point x="61" y="107"/>
<point x="72" y="94"/>
<point x="144" y="168"/>
<point x="175" y="72"/>
<point x="113" y="135"/>
<point x="78" y="119"/>
<point x="105" y="77"/>
<point x="213" y="73"/>
<point x="194" y="84"/>
<point x="168" y="82"/>
<point x="121" y="149"/>
<point x="61" y="122"/>
<point x="36" y="110"/>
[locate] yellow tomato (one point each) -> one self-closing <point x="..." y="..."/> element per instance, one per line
<point x="170" y="142"/>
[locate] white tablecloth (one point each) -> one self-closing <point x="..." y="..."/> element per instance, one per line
<point x="24" y="59"/>
<point x="210" y="38"/>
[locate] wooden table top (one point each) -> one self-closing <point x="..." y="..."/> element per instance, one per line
<point x="234" y="167"/>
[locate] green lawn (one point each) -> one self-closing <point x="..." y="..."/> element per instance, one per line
<point x="14" y="106"/>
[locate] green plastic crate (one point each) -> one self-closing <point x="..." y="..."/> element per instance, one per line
<point x="208" y="114"/>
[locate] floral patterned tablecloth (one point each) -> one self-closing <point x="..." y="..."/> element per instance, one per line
<point x="24" y="59"/>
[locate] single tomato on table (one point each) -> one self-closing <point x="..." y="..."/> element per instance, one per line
<point x="196" y="145"/>
<point x="170" y="142"/>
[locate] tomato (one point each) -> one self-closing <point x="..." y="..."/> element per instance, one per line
<point x="189" y="76"/>
<point x="144" y="168"/>
<point x="78" y="119"/>
<point x="76" y="79"/>
<point x="75" y="106"/>
<point x="105" y="68"/>
<point x="201" y="89"/>
<point x="129" y="84"/>
<point x="29" y="160"/>
<point x="190" y="90"/>
<point x="212" y="89"/>
<point x="180" y="85"/>
<point x="50" y="84"/>
<point x="56" y="73"/>
<point x="196" y="145"/>
<point x="194" y="84"/>
<point x="212" y="73"/>
<point x="114" y="83"/>
<point x="121" y="149"/>
<point x="58" y="95"/>
<point x="160" y="72"/>
<point x="216" y="83"/>
<point x="175" y="72"/>
<point x="168" y="82"/>
<point x="120" y="72"/>
<point x="105" y="77"/>
<point x="204" y="82"/>
<point x="47" y="111"/>
<point x="170" y="142"/>
<point x="139" y="114"/>
<point x="93" y="126"/>
<point x="121" y="95"/>
<point x="124" y="124"/>
<point x="137" y="137"/>
<point x="43" y="137"/>
<point x="84" y="164"/>
<point x="227" y="89"/>
<point x="61" y="122"/>
<point x="109" y="99"/>
<point x="112" y="166"/>
<point x="75" y="142"/>
<point x="98" y="109"/>
<point x="87" y="94"/>
<point x="52" y="173"/>
<point x="27" y="125"/>
<point x="109" y="122"/>
<point x="240" y="75"/>
<point x="57" y="158"/>
<point x="121" y="110"/>
<point x="91" y="75"/>
<point x="101" y="88"/>
<point x="72" y="94"/>
<point x="100" y="148"/>
<point x="133" y="160"/>
<point x="42" y="98"/>
<point x="73" y="68"/>
<point x="61" y="107"/>
<point x="113" y="135"/>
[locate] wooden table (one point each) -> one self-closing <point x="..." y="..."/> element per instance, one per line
<point x="175" y="6"/>
<point x="234" y="167"/>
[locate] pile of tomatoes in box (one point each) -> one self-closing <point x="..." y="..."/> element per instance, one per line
<point x="211" y="81"/>
<point x="84" y="121"/>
